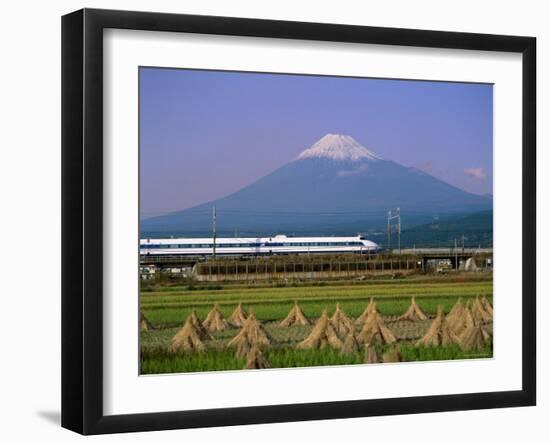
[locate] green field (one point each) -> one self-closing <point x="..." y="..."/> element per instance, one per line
<point x="167" y="308"/>
<point x="161" y="361"/>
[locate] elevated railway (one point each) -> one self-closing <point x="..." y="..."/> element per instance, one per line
<point x="210" y="268"/>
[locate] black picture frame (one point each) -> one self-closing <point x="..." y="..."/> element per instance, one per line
<point x="82" y="218"/>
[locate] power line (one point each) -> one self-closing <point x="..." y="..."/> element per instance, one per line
<point x="282" y="212"/>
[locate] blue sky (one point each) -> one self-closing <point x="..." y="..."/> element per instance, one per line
<point x="206" y="134"/>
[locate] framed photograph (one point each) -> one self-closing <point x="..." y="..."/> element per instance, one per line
<point x="268" y="221"/>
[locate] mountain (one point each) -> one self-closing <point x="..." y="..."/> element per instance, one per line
<point x="336" y="186"/>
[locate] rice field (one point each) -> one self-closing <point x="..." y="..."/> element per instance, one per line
<point x="166" y="308"/>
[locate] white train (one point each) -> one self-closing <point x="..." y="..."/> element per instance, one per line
<point x="279" y="244"/>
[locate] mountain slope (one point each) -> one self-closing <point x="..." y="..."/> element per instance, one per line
<point x="477" y="229"/>
<point x="335" y="186"/>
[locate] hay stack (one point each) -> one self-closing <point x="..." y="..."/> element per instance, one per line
<point x="215" y="321"/>
<point x="392" y="356"/>
<point x="413" y="313"/>
<point x="203" y="333"/>
<point x="144" y="324"/>
<point x="295" y="317"/>
<point x="371" y="308"/>
<point x="467" y="321"/>
<point x="350" y="345"/>
<point x="480" y="314"/>
<point x="376" y="330"/>
<point x="370" y="354"/>
<point x="474" y="338"/>
<point x="487" y="332"/>
<point x="252" y="334"/>
<point x="238" y="317"/>
<point x="255" y="359"/>
<point x="341" y="322"/>
<point x="460" y="318"/>
<point x="487" y="306"/>
<point x="439" y="333"/>
<point x="187" y="338"/>
<point x="322" y="335"/>
<point x="455" y="315"/>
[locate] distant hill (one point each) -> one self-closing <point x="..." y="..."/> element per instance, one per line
<point x="477" y="229"/>
<point x="336" y="186"/>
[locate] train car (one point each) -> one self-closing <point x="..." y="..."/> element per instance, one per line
<point x="279" y="244"/>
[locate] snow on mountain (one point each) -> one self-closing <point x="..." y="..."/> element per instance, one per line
<point x="338" y="147"/>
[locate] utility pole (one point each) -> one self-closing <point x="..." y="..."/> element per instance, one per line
<point x="214" y="230"/>
<point x="389" y="230"/>
<point x="456" y="257"/>
<point x="462" y="243"/>
<point x="390" y="218"/>
<point x="399" y="230"/>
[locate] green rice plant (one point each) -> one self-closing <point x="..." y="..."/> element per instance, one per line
<point x="410" y="352"/>
<point x="162" y="361"/>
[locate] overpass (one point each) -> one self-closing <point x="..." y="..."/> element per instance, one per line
<point x="454" y="255"/>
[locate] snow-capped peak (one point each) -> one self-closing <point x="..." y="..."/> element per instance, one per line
<point x="338" y="147"/>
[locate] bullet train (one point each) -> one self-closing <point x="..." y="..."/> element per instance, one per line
<point x="279" y="244"/>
